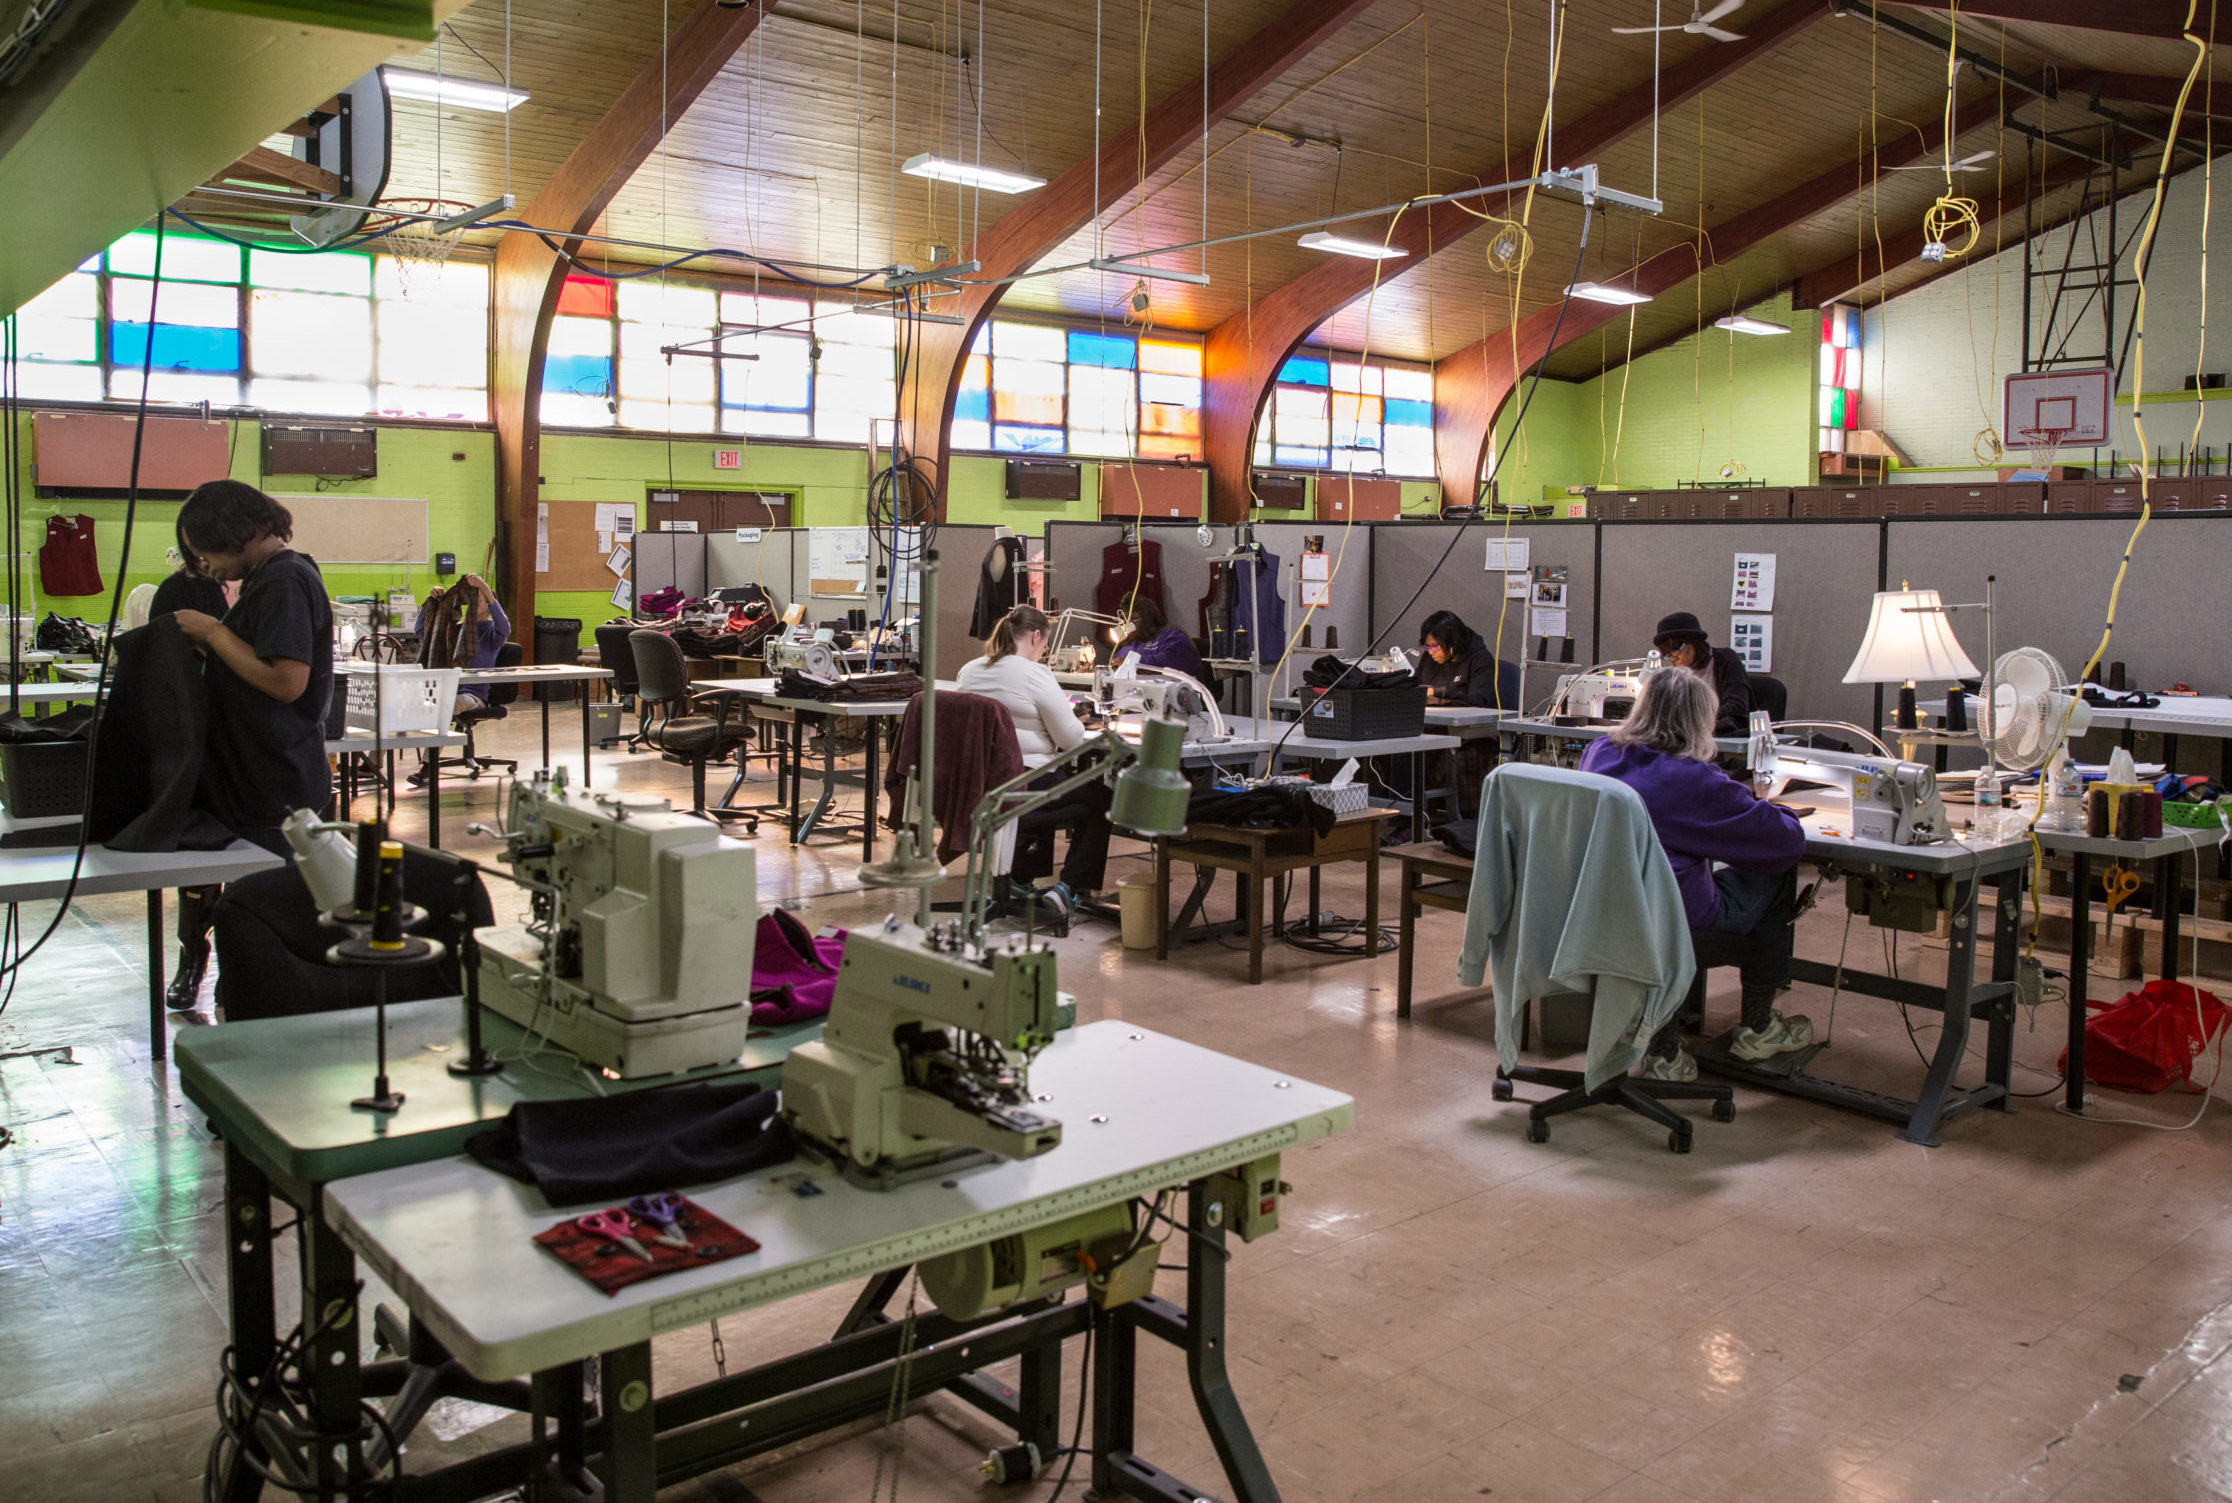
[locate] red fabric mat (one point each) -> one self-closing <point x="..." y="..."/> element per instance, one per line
<point x="613" y="1268"/>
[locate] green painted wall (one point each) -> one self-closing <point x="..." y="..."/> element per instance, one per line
<point x="1545" y="451"/>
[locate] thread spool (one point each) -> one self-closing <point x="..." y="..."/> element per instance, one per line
<point x="1956" y="709"/>
<point x="1332" y="638"/>
<point x="387" y="908"/>
<point x="2153" y="802"/>
<point x="2131" y="816"/>
<point x="2097" y="813"/>
<point x="2116" y="677"/>
<point x="369" y="838"/>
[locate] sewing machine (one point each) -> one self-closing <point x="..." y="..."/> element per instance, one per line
<point x="1072" y="649"/>
<point x="639" y="958"/>
<point x="1598" y="696"/>
<point x="1892" y="801"/>
<point x="923" y="1063"/>
<point x="1161" y="694"/>
<point x="802" y="648"/>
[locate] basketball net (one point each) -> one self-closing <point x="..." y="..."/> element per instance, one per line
<point x="421" y="248"/>
<point x="2042" y="443"/>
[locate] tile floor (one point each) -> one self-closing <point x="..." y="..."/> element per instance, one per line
<point x="1804" y="1308"/>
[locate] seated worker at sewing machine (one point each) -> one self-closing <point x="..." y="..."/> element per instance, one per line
<point x="1664" y="750"/>
<point x="1158" y="644"/>
<point x="1011" y="671"/>
<point x="1459" y="667"/>
<point x="1681" y="640"/>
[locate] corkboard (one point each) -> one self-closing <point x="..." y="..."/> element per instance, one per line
<point x="360" y="529"/>
<point x="575" y="563"/>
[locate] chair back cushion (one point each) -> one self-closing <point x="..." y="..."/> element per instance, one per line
<point x="662" y="674"/>
<point x="502" y="692"/>
<point x="1770" y="694"/>
<point x="614" y="652"/>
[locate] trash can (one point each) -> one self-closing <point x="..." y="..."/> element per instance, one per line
<point x="1136" y="897"/>
<point x="557" y="640"/>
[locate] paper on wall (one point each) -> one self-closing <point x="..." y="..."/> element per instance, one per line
<point x="1754" y="589"/>
<point x="1317" y="566"/>
<point x="1549" y="621"/>
<point x="1753" y="639"/>
<point x="623" y="596"/>
<point x="617" y="560"/>
<point x="542" y="537"/>
<point x="1507" y="555"/>
<point x="837" y="560"/>
<point x="1515" y="586"/>
<point x="1318" y="592"/>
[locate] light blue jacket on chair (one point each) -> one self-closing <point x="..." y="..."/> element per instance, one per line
<point x="1571" y="892"/>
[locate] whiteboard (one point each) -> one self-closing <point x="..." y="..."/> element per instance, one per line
<point x="837" y="561"/>
<point x="360" y="529"/>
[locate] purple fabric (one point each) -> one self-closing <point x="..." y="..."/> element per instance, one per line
<point x="794" y="972"/>
<point x="660" y="605"/>
<point x="1168" y="648"/>
<point x="1702" y="815"/>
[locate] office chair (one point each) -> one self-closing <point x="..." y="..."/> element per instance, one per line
<point x="677" y="726"/>
<point x="1769" y="694"/>
<point x="1581" y="860"/>
<point x="496" y="699"/>
<point x="613" y="652"/>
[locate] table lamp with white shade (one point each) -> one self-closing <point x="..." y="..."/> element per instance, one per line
<point x="1908" y="640"/>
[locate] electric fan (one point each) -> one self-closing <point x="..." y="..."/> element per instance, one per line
<point x="2032" y="713"/>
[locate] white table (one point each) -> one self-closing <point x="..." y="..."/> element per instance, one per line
<point x="527" y="675"/>
<point x="1465" y="722"/>
<point x="357" y="745"/>
<point x="453" y="1239"/>
<point x="1284" y="740"/>
<point x="763" y="692"/>
<point x="30" y="874"/>
<point x="41" y="696"/>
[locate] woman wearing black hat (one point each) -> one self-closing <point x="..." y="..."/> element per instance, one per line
<point x="1681" y="640"/>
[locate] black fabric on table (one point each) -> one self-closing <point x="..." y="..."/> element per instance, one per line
<point x="637" y="1143"/>
<point x="1273" y="806"/>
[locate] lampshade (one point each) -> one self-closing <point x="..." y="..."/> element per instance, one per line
<point x="1909" y="639"/>
<point x="1151" y="794"/>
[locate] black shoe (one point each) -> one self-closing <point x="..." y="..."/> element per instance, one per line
<point x="184" y="992"/>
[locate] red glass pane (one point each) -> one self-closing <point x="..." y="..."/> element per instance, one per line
<point x="585" y="297"/>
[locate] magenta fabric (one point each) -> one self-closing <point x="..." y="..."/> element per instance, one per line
<point x="794" y="972"/>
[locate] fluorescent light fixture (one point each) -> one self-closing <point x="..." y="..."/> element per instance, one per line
<point x="1599" y="292"/>
<point x="500" y="204"/>
<point x="970" y="174"/>
<point x="1738" y="324"/>
<point x="1341" y="245"/>
<point x="465" y="93"/>
<point x="1151" y="273"/>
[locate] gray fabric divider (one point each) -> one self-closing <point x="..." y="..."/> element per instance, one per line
<point x="658" y="560"/>
<point x="1825" y="582"/>
<point x="1404" y="555"/>
<point x="2054" y="577"/>
<point x="1074" y="551"/>
<point x="766" y="563"/>
<point x="961" y="551"/>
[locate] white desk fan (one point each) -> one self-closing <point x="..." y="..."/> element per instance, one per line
<point x="2033" y="716"/>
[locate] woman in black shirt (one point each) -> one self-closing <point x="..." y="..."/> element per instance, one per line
<point x="269" y="663"/>
<point x="1459" y="667"/>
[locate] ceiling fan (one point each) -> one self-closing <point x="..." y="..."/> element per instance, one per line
<point x="1700" y="23"/>
<point x="1973" y="162"/>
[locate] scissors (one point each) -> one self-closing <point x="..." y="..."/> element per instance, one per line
<point x="663" y="1211"/>
<point x="2119" y="885"/>
<point x="614" y="1226"/>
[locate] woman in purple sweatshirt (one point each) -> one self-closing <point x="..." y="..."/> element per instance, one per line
<point x="1158" y="643"/>
<point x="1664" y="750"/>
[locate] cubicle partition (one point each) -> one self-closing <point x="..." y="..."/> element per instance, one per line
<point x="2054" y="577"/>
<point x="766" y="562"/>
<point x="658" y="560"/>
<point x="1453" y="556"/>
<point x="1825" y="581"/>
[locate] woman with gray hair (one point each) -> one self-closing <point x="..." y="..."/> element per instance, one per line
<point x="1735" y="856"/>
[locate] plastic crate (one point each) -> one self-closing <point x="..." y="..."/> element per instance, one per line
<point x="2190" y="816"/>
<point x="405" y="697"/>
<point x="1363" y="714"/>
<point x="42" y="779"/>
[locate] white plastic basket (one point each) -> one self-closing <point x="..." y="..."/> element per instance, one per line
<point x="406" y="697"/>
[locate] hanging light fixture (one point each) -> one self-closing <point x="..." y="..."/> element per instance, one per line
<point x="970" y="174"/>
<point x="1342" y="245"/>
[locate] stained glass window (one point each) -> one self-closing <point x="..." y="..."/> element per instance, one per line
<point x="1364" y="417"/>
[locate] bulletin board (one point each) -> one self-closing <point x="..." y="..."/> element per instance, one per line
<point x="575" y="562"/>
<point x="360" y="529"/>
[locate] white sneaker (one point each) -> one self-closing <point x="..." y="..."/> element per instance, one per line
<point x="1784" y="1034"/>
<point x="1678" y="1067"/>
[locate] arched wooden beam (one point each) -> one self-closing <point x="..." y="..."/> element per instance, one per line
<point x="1060" y="209"/>
<point x="1471" y="386"/>
<point x="1245" y="351"/>
<point x="529" y="273"/>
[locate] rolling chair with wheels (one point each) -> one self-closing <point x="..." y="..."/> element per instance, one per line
<point x="496" y="700"/>
<point x="1572" y="892"/>
<point x="613" y="652"/>
<point x="677" y="726"/>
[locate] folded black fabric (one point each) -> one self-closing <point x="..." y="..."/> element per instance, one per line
<point x="73" y="724"/>
<point x="1272" y="806"/>
<point x="637" y="1143"/>
<point x="1329" y="672"/>
<point x="858" y="689"/>
<point x="1459" y="835"/>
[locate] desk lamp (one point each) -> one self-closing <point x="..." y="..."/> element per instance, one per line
<point x="1908" y="640"/>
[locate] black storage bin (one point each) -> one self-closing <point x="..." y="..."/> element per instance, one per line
<point x="43" y="779"/>
<point x="1364" y="714"/>
<point x="557" y="640"/>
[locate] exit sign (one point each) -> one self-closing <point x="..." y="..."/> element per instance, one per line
<point x="728" y="459"/>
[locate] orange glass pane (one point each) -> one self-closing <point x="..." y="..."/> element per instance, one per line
<point x="1165" y="446"/>
<point x="1027" y="407"/>
<point x="585" y="297"/>
<point x="1158" y="417"/>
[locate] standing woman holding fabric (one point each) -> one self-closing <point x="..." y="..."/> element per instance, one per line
<point x="187" y="589"/>
<point x="268" y="664"/>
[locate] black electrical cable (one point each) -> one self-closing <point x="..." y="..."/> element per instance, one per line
<point x="1525" y="402"/>
<point x="116" y="607"/>
<point x="1077" y="1426"/>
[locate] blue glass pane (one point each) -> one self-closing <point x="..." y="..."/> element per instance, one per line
<point x="1298" y="456"/>
<point x="583" y="375"/>
<point x="177" y="347"/>
<point x="1301" y="371"/>
<point x="973" y="405"/>
<point x="1013" y="440"/>
<point x="1402" y="414"/>
<point x="1113" y="351"/>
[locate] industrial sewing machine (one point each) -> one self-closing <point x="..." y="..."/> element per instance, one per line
<point x="639" y="956"/>
<point x="1892" y="801"/>
<point x="1072" y="649"/>
<point x="805" y="649"/>
<point x="923" y="1064"/>
<point x="1161" y="694"/>
<point x="1599" y="695"/>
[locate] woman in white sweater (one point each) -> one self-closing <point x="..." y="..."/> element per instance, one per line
<point x="1045" y="725"/>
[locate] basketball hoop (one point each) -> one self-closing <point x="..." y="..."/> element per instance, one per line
<point x="420" y="246"/>
<point x="2042" y="442"/>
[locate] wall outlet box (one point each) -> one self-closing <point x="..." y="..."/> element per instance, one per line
<point x="445" y="564"/>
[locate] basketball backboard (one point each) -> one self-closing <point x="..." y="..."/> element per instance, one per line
<point x="2072" y="406"/>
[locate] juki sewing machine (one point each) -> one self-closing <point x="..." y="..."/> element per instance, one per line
<point x="804" y="649"/>
<point x="1892" y="801"/>
<point x="1161" y="694"/>
<point x="639" y="956"/>
<point x="1599" y="696"/>
<point x="923" y="1063"/>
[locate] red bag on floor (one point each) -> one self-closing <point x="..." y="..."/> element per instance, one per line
<point x="2149" y="1040"/>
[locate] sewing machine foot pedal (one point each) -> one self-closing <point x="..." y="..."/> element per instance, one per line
<point x="1718" y="1054"/>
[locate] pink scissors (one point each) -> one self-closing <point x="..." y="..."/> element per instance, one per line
<point x="614" y="1226"/>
